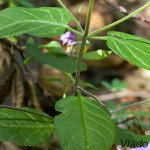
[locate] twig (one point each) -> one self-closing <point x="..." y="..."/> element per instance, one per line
<point x="130" y="106"/>
<point x="124" y="11"/>
<point x="91" y="95"/>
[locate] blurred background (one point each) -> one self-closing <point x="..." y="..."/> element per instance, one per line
<point x="113" y="80"/>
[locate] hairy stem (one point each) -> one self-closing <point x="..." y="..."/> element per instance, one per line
<point x="78" y="46"/>
<point x="119" y="21"/>
<point x="90" y="94"/>
<point x="83" y="43"/>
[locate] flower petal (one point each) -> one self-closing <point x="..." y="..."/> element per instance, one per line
<point x="68" y="38"/>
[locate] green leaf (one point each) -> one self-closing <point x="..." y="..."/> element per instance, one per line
<point x="56" y="60"/>
<point x="132" y="48"/>
<point x="88" y="84"/>
<point x="128" y="138"/>
<point x="51" y="47"/>
<point x="2" y="2"/>
<point x="106" y="85"/>
<point x="96" y="55"/>
<point x="12" y="4"/>
<point x="27" y="60"/>
<point x="52" y="80"/>
<point x="118" y="85"/>
<point x="12" y="39"/>
<point x="26" y="3"/>
<point x="23" y="128"/>
<point x="83" y="125"/>
<point x="115" y="82"/>
<point x="141" y="123"/>
<point x="41" y="22"/>
<point x="122" y="85"/>
<point x="140" y="113"/>
<point x="88" y="43"/>
<point x="111" y="105"/>
<point x="51" y="44"/>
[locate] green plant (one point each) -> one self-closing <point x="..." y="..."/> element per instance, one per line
<point x="116" y="85"/>
<point x="83" y="123"/>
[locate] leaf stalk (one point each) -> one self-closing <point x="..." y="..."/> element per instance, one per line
<point x="83" y="44"/>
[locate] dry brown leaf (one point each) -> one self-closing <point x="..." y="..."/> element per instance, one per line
<point x="5" y="72"/>
<point x="17" y="87"/>
<point x="31" y="94"/>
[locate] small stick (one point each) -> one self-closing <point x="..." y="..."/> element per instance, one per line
<point x="124" y="11"/>
<point x="130" y="106"/>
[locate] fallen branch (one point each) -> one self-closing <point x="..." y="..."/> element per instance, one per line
<point x="122" y="94"/>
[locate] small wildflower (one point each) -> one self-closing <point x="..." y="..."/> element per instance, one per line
<point x="69" y="38"/>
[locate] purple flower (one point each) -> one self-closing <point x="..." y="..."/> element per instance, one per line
<point x="141" y="148"/>
<point x="69" y="38"/>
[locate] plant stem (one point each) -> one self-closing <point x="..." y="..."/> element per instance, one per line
<point x="83" y="43"/>
<point x="131" y="105"/>
<point x="90" y="94"/>
<point x="75" y="20"/>
<point x="78" y="46"/>
<point x="75" y="31"/>
<point x="119" y="21"/>
<point x="28" y="111"/>
<point x="79" y="18"/>
<point x="65" y="86"/>
<point x="71" y="78"/>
